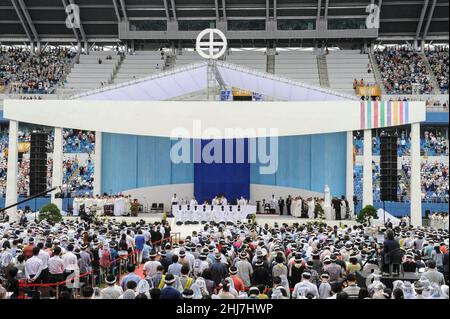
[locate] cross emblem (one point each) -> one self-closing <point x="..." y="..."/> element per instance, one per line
<point x="211" y="49"/>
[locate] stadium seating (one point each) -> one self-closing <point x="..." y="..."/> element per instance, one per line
<point x="138" y="65"/>
<point x="27" y="73"/>
<point x="438" y="58"/>
<point x="297" y="65"/>
<point x="346" y="65"/>
<point x="89" y="74"/>
<point x="188" y="57"/>
<point x="256" y="60"/>
<point x="401" y="68"/>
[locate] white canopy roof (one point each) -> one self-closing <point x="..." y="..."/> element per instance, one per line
<point x="193" y="78"/>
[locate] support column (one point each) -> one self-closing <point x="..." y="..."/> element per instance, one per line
<point x="349" y="171"/>
<point x="11" y="177"/>
<point x="367" y="169"/>
<point x="98" y="164"/>
<point x="57" y="177"/>
<point x="415" y="187"/>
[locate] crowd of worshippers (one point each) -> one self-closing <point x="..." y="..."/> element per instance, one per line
<point x="28" y="73"/>
<point x="402" y="67"/>
<point x="438" y="58"/>
<point x="222" y="261"/>
<point x="432" y="143"/>
<point x="74" y="142"/>
<point x="434" y="180"/>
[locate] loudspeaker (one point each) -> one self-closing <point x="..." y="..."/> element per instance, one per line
<point x="388" y="168"/>
<point x="38" y="163"/>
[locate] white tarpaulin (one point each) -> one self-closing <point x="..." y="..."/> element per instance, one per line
<point x="384" y="216"/>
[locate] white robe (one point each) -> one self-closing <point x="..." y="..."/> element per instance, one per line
<point x="196" y="214"/>
<point x="76" y="206"/>
<point x="178" y="213"/>
<point x="311" y="209"/>
<point x="187" y="214"/>
<point x="100" y="206"/>
<point x="296" y="208"/>
<point x="119" y="206"/>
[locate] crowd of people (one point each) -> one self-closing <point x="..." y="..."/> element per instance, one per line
<point x="223" y="261"/>
<point x="402" y="67"/>
<point x="432" y="143"/>
<point x="28" y="73"/>
<point x="434" y="181"/>
<point x="78" y="174"/>
<point x="438" y="58"/>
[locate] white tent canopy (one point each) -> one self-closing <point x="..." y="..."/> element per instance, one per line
<point x="193" y="78"/>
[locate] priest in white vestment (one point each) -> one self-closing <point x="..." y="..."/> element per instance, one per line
<point x="76" y="206"/>
<point x="311" y="205"/>
<point x="296" y="207"/>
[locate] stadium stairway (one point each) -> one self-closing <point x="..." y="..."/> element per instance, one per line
<point x="297" y="65"/>
<point x="323" y="71"/>
<point x="430" y="73"/>
<point x="377" y="73"/>
<point x="346" y="65"/>
<point x="89" y="74"/>
<point x="139" y="65"/>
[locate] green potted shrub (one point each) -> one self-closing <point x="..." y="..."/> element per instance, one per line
<point x="50" y="212"/>
<point x="366" y="215"/>
<point x="319" y="212"/>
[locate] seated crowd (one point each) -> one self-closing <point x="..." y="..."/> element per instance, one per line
<point x="432" y="143"/>
<point x="223" y="261"/>
<point x="438" y="58"/>
<point x="75" y="141"/>
<point x="400" y="68"/>
<point x="79" y="176"/>
<point x="40" y="73"/>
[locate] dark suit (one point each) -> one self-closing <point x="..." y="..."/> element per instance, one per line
<point x="288" y="205"/>
<point x="337" y="207"/>
<point x="281" y="205"/>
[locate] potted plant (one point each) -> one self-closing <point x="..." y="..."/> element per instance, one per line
<point x="319" y="212"/>
<point x="50" y="212"/>
<point x="366" y="215"/>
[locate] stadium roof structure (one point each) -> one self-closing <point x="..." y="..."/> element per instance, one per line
<point x="245" y="22"/>
<point x="191" y="79"/>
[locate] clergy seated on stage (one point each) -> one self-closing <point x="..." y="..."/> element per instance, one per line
<point x="230" y="214"/>
<point x="316" y="261"/>
<point x="106" y="205"/>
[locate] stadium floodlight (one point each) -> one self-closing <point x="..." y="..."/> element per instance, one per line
<point x="211" y="49"/>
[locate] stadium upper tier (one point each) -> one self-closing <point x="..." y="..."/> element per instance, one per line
<point x="401" y="70"/>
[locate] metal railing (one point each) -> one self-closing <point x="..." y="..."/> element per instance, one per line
<point x="92" y="278"/>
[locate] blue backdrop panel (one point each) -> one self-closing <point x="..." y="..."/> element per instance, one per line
<point x="130" y="162"/>
<point x="182" y="173"/>
<point x="119" y="162"/>
<point x="308" y="162"/>
<point x="229" y="179"/>
<point x="153" y="161"/>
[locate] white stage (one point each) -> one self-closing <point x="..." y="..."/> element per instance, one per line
<point x="186" y="230"/>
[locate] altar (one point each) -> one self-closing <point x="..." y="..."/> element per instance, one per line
<point x="215" y="213"/>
